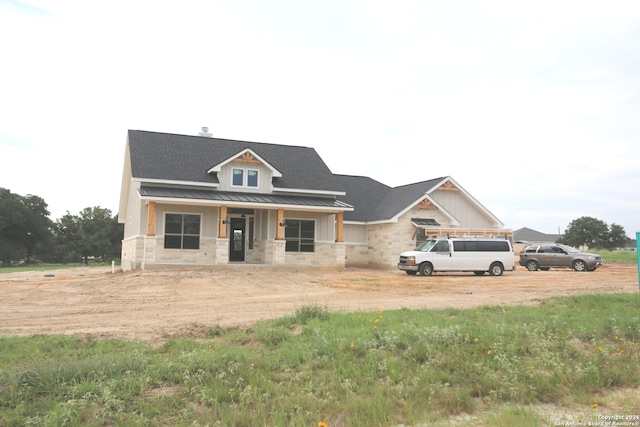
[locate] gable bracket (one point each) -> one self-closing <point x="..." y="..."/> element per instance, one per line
<point x="247" y="158"/>
<point x="426" y="204"/>
<point x="448" y="185"/>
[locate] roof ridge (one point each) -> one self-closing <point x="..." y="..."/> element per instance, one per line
<point x="220" y="139"/>
<point x="421" y="182"/>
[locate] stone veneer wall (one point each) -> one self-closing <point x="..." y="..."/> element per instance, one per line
<point x="274" y="253"/>
<point x="357" y="254"/>
<point x="131" y="256"/>
<point x="387" y="241"/>
<point x="326" y="254"/>
<point x="147" y="252"/>
<point x="206" y="255"/>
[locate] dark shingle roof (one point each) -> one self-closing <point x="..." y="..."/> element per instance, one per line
<point x="171" y="157"/>
<point x="375" y="201"/>
<point x="188" y="158"/>
<point x="528" y="235"/>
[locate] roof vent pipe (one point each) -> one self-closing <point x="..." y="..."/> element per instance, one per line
<point x="205" y="132"/>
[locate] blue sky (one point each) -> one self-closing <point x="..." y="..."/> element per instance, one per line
<point x="534" y="108"/>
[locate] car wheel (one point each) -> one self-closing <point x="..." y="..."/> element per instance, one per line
<point x="532" y="265"/>
<point x="411" y="273"/>
<point x="426" y="269"/>
<point x="496" y="269"/>
<point x="544" y="268"/>
<point x="579" y="265"/>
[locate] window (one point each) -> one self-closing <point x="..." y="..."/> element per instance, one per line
<point x="481" y="246"/>
<point x="242" y="179"/>
<point x="300" y="235"/>
<point x="181" y="231"/>
<point x="252" y="178"/>
<point x="238" y="177"/>
<point x="441" y="246"/>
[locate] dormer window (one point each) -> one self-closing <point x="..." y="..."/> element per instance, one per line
<point x="244" y="178"/>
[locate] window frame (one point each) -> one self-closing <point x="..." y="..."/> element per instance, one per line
<point x="246" y="180"/>
<point x="296" y="244"/>
<point x="184" y="236"/>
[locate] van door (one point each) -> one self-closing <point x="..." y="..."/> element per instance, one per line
<point x="441" y="258"/>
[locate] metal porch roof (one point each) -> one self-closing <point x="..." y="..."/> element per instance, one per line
<point x="240" y="197"/>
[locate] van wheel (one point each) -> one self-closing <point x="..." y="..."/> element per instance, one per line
<point x="532" y="265"/>
<point x="411" y="272"/>
<point x="479" y="273"/>
<point x="426" y="269"/>
<point x="496" y="269"/>
<point x="579" y="265"/>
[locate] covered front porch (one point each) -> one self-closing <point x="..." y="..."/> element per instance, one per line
<point x="241" y="228"/>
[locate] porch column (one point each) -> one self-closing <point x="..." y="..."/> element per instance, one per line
<point x="280" y="228"/>
<point x="222" y="230"/>
<point x="340" y="227"/>
<point x="151" y="219"/>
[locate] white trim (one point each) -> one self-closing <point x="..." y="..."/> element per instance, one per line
<point x="217" y="168"/>
<point x="245" y="177"/>
<point x="453" y="219"/>
<point x="473" y="200"/>
<point x="180" y="183"/>
<point x="201" y="202"/>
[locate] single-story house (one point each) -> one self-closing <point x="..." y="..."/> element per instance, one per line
<point x="528" y="235"/>
<point x="203" y="201"/>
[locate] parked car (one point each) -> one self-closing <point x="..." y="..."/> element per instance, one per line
<point x="544" y="257"/>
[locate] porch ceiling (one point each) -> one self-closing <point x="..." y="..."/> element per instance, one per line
<point x="243" y="198"/>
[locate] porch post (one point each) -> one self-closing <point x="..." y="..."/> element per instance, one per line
<point x="340" y="227"/>
<point x="222" y="227"/>
<point x="151" y="219"/>
<point x="280" y="228"/>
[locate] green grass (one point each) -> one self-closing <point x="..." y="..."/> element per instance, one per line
<point x="618" y="256"/>
<point x="47" y="267"/>
<point x="370" y="368"/>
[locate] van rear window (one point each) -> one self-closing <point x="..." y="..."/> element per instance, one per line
<point x="481" y="246"/>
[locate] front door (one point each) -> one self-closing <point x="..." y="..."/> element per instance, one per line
<point x="236" y="244"/>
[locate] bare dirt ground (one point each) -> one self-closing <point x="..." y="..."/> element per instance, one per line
<point x="159" y="304"/>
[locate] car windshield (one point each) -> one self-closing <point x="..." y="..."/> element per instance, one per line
<point x="426" y="245"/>
<point x="570" y="249"/>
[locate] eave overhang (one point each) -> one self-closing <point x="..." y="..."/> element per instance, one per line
<point x="240" y="199"/>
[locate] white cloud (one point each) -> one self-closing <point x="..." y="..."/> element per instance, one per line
<point x="532" y="108"/>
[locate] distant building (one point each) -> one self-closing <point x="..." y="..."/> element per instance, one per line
<point x="527" y="235"/>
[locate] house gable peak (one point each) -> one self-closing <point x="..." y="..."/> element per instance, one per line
<point x="245" y="156"/>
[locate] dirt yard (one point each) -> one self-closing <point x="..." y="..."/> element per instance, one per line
<point x="156" y="305"/>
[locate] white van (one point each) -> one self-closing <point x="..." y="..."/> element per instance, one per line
<point x="477" y="255"/>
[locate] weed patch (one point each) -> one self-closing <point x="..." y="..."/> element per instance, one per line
<point x="320" y="368"/>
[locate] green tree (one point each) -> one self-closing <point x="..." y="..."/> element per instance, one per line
<point x="594" y="233"/>
<point x="25" y="226"/>
<point x="94" y="232"/>
<point x="617" y="237"/>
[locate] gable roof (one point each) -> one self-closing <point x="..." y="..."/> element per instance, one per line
<point x="250" y="155"/>
<point x="166" y="160"/>
<point x="375" y="201"/>
<point x="525" y="234"/>
<point x="184" y="158"/>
